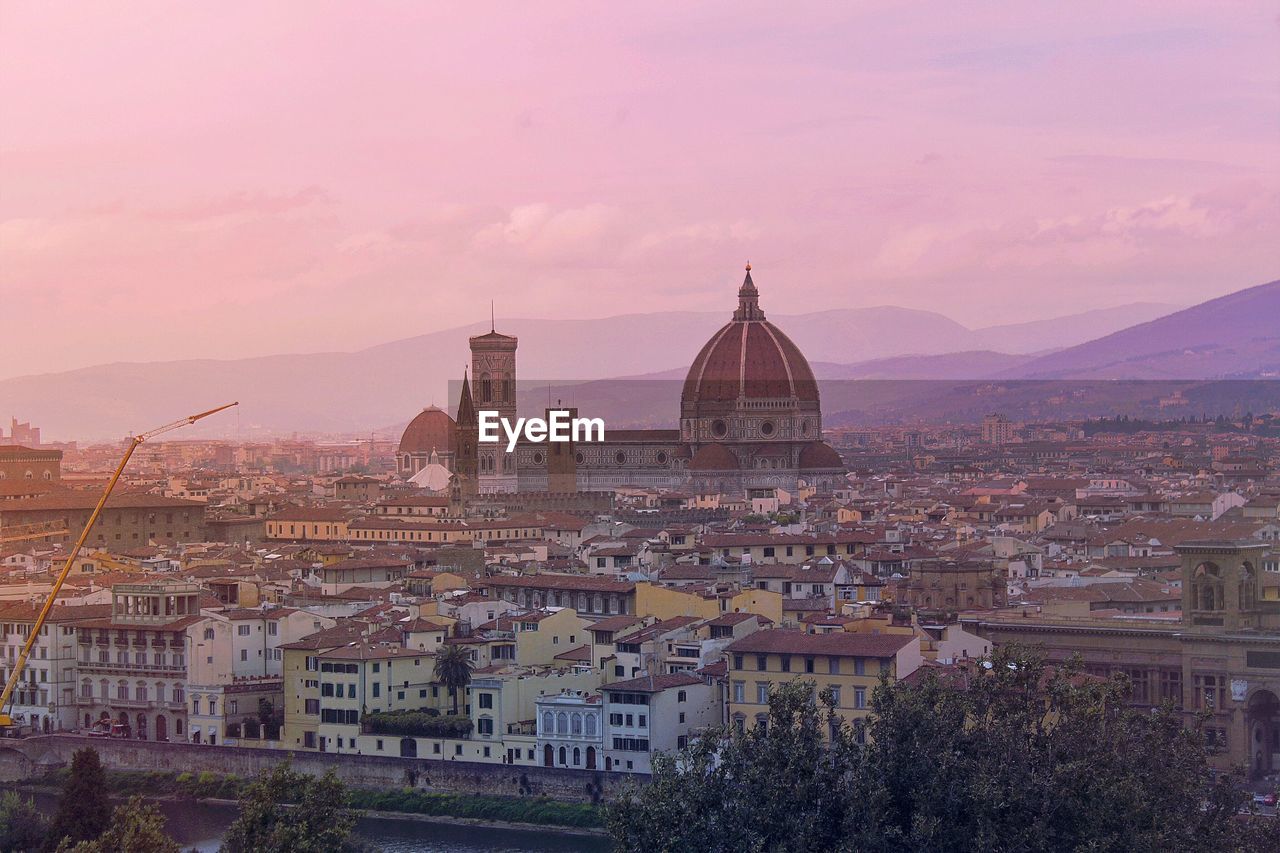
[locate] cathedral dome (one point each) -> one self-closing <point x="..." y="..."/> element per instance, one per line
<point x="749" y="358"/>
<point x="432" y="429"/>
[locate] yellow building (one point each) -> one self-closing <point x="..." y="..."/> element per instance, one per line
<point x="310" y="524"/>
<point x="542" y="635"/>
<point x="848" y="663"/>
<point x="302" y="683"/>
<point x="664" y="602"/>
<point x="391" y="529"/>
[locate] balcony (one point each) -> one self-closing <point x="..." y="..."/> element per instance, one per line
<point x="127" y="667"/>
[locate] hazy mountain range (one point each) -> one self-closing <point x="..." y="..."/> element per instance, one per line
<point x="382" y="386"/>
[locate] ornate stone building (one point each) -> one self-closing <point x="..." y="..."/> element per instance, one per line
<point x="1222" y="659"/>
<point x="750" y="418"/>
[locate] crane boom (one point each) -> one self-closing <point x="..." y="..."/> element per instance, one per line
<point x="6" y="697"/>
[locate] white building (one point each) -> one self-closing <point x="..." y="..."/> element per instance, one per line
<point x="570" y="729"/>
<point x="652" y="714"/>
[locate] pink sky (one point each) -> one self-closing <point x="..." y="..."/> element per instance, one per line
<point x="239" y="178"/>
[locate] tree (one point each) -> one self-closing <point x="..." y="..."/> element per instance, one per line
<point x="453" y="670"/>
<point x="22" y="826"/>
<point x="1009" y="755"/>
<point x="269" y="719"/>
<point x="83" y="809"/>
<point x="136" y="827"/>
<point x="778" y="787"/>
<point x="318" y="820"/>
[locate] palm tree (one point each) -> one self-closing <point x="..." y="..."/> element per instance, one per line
<point x="453" y="670"/>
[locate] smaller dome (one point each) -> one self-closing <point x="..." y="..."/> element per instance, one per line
<point x="713" y="457"/>
<point x="819" y="455"/>
<point x="432" y="429"/>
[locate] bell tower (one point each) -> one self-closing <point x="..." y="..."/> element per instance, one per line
<point x="493" y="376"/>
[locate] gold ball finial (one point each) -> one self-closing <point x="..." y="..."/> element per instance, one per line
<point x="748" y="266"/>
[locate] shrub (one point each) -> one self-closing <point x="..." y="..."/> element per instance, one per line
<point x="417" y="724"/>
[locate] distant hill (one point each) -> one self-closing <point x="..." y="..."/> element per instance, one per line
<point x="345" y="392"/>
<point x="978" y="364"/>
<point x="1043" y="335"/>
<point x="1233" y="336"/>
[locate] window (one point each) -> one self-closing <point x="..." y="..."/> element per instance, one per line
<point x="242" y="630"/>
<point x="860" y="697"/>
<point x="762" y="693"/>
<point x="786" y="663"/>
<point x="737" y="661"/>
<point x="739" y="691"/>
<point x="833" y="665"/>
<point x="835" y="694"/>
<point x="859" y="666"/>
<point x="808" y="665"/>
<point x="762" y="662"/>
<point x="233" y="706"/>
<point x="1210" y="692"/>
<point x="681" y="696"/>
<point x="485" y="725"/>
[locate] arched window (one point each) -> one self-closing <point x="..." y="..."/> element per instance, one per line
<point x="562" y="723"/>
<point x="1207" y="587"/>
<point x="548" y="723"/>
<point x="140" y="691"/>
<point x="486" y="388"/>
<point x="122" y="690"/>
<point x="208" y="633"/>
<point x="1248" y="586"/>
<point x="590" y="725"/>
<point x="575" y="724"/>
<point x="86" y="689"/>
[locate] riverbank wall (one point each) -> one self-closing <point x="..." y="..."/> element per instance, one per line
<point x="28" y="758"/>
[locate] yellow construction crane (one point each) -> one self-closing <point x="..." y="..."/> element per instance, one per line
<point x="6" y="719"/>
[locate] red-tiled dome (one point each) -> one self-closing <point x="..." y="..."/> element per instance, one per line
<point x="749" y="357"/>
<point x="713" y="457"/>
<point x="432" y="429"/>
<point x="819" y="455"/>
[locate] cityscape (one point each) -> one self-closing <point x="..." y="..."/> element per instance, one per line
<point x="377" y="523"/>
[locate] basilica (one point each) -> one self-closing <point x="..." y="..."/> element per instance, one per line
<point x="750" y="418"/>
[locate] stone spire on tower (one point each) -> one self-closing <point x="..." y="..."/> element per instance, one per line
<point x="466" y="406"/>
<point x="748" y="300"/>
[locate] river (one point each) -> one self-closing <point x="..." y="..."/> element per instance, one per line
<point x="202" y="826"/>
